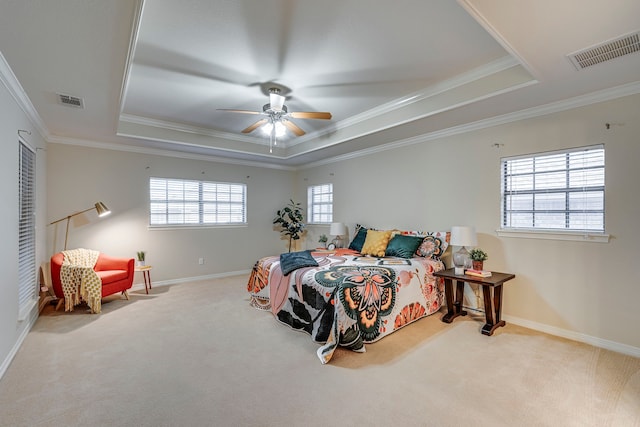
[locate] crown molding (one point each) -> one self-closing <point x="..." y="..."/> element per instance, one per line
<point x="165" y="153"/>
<point x="543" y="110"/>
<point x="473" y="75"/>
<point x="14" y="87"/>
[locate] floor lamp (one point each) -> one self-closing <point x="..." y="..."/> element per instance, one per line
<point x="99" y="207"/>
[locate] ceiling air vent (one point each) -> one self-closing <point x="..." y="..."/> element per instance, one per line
<point x="606" y="51"/>
<point x="71" y="101"/>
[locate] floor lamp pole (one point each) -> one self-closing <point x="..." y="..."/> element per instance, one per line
<point x="100" y="207"/>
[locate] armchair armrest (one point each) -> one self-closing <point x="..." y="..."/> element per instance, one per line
<point x="106" y="262"/>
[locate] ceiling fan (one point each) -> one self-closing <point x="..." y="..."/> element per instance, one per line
<point x="278" y="117"/>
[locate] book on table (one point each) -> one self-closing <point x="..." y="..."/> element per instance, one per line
<point x="477" y="273"/>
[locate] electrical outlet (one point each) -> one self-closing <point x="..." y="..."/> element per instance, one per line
<point x="201" y="261"/>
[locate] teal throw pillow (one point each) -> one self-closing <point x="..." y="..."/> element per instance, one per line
<point x="403" y="246"/>
<point x="293" y="260"/>
<point x="358" y="241"/>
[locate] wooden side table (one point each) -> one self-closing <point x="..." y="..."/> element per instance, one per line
<point x="491" y="288"/>
<point x="146" y="274"/>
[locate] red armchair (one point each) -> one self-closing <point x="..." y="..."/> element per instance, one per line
<point x="116" y="274"/>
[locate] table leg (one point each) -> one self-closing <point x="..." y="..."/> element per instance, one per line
<point x="454" y="308"/>
<point x="147" y="280"/>
<point x="492" y="309"/>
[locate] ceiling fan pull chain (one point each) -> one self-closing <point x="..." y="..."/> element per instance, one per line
<point x="271" y="135"/>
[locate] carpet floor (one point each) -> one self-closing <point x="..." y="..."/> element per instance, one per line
<point x="196" y="354"/>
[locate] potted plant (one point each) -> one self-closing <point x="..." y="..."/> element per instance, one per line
<point x="289" y="219"/>
<point x="478" y="256"/>
<point x="323" y="239"/>
<point x="141" y="257"/>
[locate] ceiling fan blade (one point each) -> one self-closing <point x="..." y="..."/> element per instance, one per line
<point x="310" y="115"/>
<point x="239" y="111"/>
<point x="255" y="126"/>
<point x="293" y="127"/>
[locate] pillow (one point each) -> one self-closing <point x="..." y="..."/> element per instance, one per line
<point x="359" y="238"/>
<point x="434" y="245"/>
<point x="403" y="246"/>
<point x="375" y="243"/>
<point x="294" y="260"/>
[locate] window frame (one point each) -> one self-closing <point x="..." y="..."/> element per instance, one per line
<point x="201" y="202"/>
<point x="312" y="206"/>
<point x="556" y="233"/>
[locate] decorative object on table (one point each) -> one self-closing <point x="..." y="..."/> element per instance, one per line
<point x="478" y="256"/>
<point x="99" y="207"/>
<point x="338" y="229"/>
<point x="477" y="273"/>
<point x="289" y="219"/>
<point x="323" y="239"/>
<point x="462" y="236"/>
<point x="141" y="255"/>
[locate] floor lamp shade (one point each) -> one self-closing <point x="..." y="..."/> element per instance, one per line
<point x="100" y="207"/>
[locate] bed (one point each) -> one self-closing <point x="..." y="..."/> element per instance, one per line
<point x="350" y="297"/>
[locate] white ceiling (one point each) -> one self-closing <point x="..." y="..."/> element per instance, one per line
<point x="154" y="73"/>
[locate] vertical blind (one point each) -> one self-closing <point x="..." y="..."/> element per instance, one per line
<point x="562" y="190"/>
<point x="187" y="202"/>
<point x="320" y="203"/>
<point x="26" y="228"/>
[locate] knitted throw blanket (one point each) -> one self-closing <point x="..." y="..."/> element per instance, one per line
<point x="79" y="280"/>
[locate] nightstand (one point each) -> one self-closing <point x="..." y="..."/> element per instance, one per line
<point x="491" y="288"/>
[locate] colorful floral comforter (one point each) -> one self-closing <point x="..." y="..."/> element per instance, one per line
<point x="348" y="300"/>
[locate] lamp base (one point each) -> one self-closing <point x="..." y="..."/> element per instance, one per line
<point x="458" y="271"/>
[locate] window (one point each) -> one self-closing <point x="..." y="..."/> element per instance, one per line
<point x="320" y="203"/>
<point x="184" y="202"/>
<point x="26" y="231"/>
<point x="556" y="191"/>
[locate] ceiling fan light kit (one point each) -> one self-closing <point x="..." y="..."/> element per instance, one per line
<point x="277" y="122"/>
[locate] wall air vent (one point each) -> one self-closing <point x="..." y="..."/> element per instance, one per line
<point x="606" y="51"/>
<point x="70" y="101"/>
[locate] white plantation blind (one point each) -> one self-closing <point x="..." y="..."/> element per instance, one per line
<point x="562" y="190"/>
<point x="186" y="202"/>
<point x="320" y="203"/>
<point x="26" y="229"/>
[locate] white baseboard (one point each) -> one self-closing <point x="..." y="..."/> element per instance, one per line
<point x="575" y="336"/>
<point x="31" y="320"/>
<point x="140" y="286"/>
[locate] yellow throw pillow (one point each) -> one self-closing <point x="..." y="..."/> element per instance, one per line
<point x="376" y="243"/>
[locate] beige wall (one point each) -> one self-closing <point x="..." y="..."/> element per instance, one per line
<point x="79" y="177"/>
<point x="583" y="290"/>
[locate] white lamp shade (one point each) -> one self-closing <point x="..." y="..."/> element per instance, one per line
<point x="463" y="236"/>
<point x="338" y="229"/>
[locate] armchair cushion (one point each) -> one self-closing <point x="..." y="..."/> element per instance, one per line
<point x="110" y="276"/>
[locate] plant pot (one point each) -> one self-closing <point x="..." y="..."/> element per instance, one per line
<point x="478" y="265"/>
<point x="140" y="263"/>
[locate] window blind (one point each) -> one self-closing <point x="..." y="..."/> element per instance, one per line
<point x="320" y="203"/>
<point x="188" y="202"/>
<point x="562" y="190"/>
<point x="26" y="230"/>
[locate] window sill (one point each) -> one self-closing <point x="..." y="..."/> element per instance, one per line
<point x="572" y="236"/>
<point x="194" y="226"/>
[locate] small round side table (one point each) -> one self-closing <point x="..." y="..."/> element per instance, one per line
<point x="146" y="274"/>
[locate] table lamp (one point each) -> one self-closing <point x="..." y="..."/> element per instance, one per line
<point x="462" y="236"/>
<point x="338" y="229"/>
